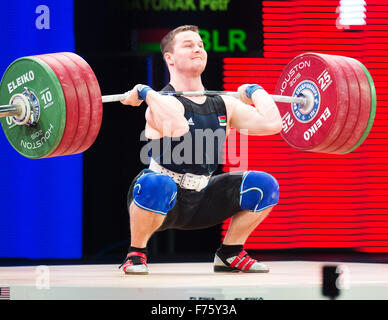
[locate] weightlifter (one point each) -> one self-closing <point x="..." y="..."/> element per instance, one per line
<point x="175" y="195"/>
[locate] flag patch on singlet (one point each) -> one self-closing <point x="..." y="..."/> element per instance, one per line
<point x="222" y="120"/>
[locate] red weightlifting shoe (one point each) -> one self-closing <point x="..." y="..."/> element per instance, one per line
<point x="241" y="262"/>
<point x="135" y="263"/>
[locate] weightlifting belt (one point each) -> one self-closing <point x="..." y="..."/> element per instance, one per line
<point x="186" y="181"/>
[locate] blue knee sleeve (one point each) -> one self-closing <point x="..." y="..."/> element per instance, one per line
<point x="258" y="191"/>
<point x="155" y="192"/>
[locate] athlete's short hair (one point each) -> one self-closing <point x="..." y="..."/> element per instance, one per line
<point x="167" y="43"/>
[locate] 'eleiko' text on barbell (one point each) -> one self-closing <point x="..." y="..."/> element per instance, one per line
<point x="28" y="76"/>
<point x="315" y="127"/>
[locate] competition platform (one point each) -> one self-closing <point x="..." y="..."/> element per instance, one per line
<point x="287" y="280"/>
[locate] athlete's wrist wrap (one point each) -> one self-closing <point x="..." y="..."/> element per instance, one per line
<point x="251" y="89"/>
<point x="142" y="91"/>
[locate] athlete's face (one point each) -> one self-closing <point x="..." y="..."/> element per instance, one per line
<point x="188" y="54"/>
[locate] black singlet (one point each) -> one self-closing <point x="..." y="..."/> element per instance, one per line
<point x="199" y="151"/>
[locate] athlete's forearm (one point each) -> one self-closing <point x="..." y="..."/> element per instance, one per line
<point x="267" y="107"/>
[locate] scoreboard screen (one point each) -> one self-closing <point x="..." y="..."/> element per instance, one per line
<point x="326" y="201"/>
<point x="226" y="26"/>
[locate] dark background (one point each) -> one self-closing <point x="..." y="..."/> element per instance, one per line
<point x="106" y="38"/>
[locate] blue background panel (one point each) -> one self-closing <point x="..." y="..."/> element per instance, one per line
<point x="40" y="200"/>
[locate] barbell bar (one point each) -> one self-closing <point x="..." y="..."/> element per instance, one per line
<point x="277" y="98"/>
<point x="15" y="109"/>
<point x="10" y="110"/>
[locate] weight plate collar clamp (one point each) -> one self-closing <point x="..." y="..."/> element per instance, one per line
<point x="28" y="108"/>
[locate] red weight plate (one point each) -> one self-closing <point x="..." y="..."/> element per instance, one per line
<point x="94" y="97"/>
<point x="83" y="102"/>
<point x="364" y="111"/>
<point x="317" y="125"/>
<point x="354" y="104"/>
<point x="71" y="104"/>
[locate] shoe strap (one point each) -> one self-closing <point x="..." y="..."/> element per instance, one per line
<point x="137" y="254"/>
<point x="142" y="256"/>
<point x="243" y="261"/>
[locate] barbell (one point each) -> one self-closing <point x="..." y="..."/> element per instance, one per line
<point x="51" y="104"/>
